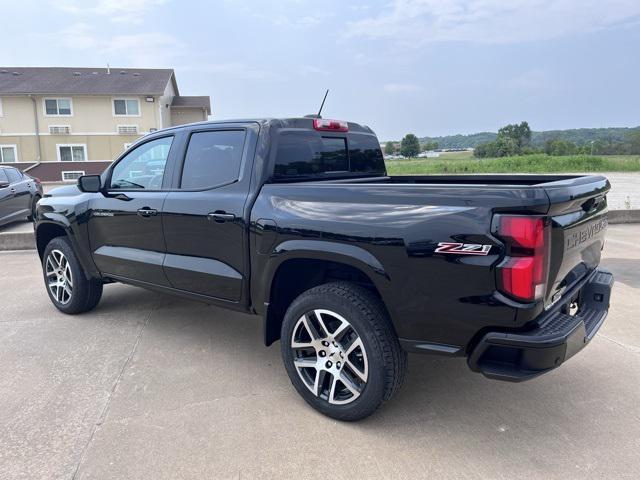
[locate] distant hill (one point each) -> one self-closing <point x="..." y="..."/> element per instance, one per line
<point x="579" y="136"/>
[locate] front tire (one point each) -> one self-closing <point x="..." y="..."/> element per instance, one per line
<point x="69" y="289"/>
<point x="341" y="352"/>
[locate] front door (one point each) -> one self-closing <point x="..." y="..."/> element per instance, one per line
<point x="125" y="225"/>
<point x="205" y="231"/>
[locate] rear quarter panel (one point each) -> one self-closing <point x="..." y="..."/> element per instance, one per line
<point x="434" y="297"/>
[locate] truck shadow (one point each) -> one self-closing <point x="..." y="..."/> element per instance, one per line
<point x="625" y="270"/>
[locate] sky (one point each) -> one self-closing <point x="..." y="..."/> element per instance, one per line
<point x="429" y="67"/>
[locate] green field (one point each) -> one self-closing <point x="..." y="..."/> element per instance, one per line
<point x="464" y="162"/>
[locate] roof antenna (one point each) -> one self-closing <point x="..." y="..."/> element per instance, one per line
<point x="108" y="70"/>
<point x="313" y="115"/>
<point x="322" y="104"/>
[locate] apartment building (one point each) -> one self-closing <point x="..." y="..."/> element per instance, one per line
<point x="60" y="123"/>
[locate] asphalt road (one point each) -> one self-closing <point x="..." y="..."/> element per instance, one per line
<point x="154" y="387"/>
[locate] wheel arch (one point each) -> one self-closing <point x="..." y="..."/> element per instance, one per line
<point x="299" y="265"/>
<point x="47" y="231"/>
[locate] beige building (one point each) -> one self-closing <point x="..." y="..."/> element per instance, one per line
<point x="60" y="123"/>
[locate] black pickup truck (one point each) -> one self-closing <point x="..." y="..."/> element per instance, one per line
<point x="296" y="220"/>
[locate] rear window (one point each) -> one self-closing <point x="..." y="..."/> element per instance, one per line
<point x="309" y="154"/>
<point x="213" y="158"/>
<point x="14" y="175"/>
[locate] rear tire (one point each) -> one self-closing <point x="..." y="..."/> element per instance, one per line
<point x="34" y="204"/>
<point x="341" y="352"/>
<point x="68" y="288"/>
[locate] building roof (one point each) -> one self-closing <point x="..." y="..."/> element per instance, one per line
<point x="192" y="102"/>
<point x="85" y="81"/>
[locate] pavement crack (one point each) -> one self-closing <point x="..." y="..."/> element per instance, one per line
<point x="105" y="409"/>
<point x="630" y="348"/>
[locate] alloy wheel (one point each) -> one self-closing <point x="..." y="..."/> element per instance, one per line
<point x="329" y="356"/>
<point x="59" y="277"/>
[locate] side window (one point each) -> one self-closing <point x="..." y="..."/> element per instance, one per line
<point x="213" y="158"/>
<point x="3" y="176"/>
<point x="142" y="168"/>
<point x="14" y="175"/>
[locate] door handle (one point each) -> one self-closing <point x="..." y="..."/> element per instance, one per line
<point x="12" y="190"/>
<point x="147" y="212"/>
<point x="221" y="217"/>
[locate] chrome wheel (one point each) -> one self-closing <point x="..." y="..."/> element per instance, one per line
<point x="329" y="356"/>
<point x="59" y="277"/>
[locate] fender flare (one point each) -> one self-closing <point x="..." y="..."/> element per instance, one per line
<point x="351" y="255"/>
<point x="62" y="221"/>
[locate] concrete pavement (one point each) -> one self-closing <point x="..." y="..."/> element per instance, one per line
<point x="148" y="386"/>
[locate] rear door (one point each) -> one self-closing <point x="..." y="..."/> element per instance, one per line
<point x="125" y="225"/>
<point x="6" y="198"/>
<point x="204" y="219"/>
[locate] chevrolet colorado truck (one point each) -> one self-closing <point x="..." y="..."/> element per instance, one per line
<point x="297" y="220"/>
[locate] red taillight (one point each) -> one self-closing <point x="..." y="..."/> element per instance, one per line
<point x="330" y="125"/>
<point x="523" y="273"/>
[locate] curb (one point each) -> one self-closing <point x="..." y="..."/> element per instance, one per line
<point x="623" y="216"/>
<point x="17" y="241"/>
<point x="26" y="240"/>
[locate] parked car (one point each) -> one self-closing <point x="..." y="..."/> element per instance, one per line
<point x="296" y="220"/>
<point x="19" y="194"/>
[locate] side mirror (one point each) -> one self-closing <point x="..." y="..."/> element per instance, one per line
<point x="89" y="183"/>
<point x="4" y="184"/>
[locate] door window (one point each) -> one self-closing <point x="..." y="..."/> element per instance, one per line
<point x="213" y="159"/>
<point x="143" y="167"/>
<point x="3" y="176"/>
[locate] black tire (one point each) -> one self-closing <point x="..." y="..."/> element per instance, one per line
<point x="366" y="315"/>
<point x="34" y="204"/>
<point x="85" y="293"/>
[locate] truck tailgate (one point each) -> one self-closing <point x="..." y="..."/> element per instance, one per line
<point x="578" y="211"/>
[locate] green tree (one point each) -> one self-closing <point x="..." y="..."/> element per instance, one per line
<point x="389" y="148"/>
<point x="520" y="133"/>
<point x="410" y="145"/>
<point x="429" y="146"/>
<point x="560" y="147"/>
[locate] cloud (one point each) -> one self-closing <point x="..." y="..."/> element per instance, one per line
<point x="413" y="23"/>
<point x="122" y="11"/>
<point x="236" y="70"/>
<point x="401" y="87"/>
<point x="139" y="49"/>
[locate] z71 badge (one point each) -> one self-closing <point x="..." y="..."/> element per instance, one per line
<point x="463" y="248"/>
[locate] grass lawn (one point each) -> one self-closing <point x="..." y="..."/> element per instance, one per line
<point x="464" y="162"/>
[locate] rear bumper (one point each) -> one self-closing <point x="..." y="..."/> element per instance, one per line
<point x="555" y="337"/>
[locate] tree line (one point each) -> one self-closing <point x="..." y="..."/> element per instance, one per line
<point x="519" y="139"/>
<point x="606" y="138"/>
<point x="515" y="139"/>
<point x="409" y="146"/>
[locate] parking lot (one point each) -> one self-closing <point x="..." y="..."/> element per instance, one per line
<point x="148" y="386"/>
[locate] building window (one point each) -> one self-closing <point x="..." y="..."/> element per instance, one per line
<point x="8" y="154"/>
<point x="56" y="107"/>
<point x="72" y="153"/>
<point x="126" y="107"/>
<point x="71" y="175"/>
